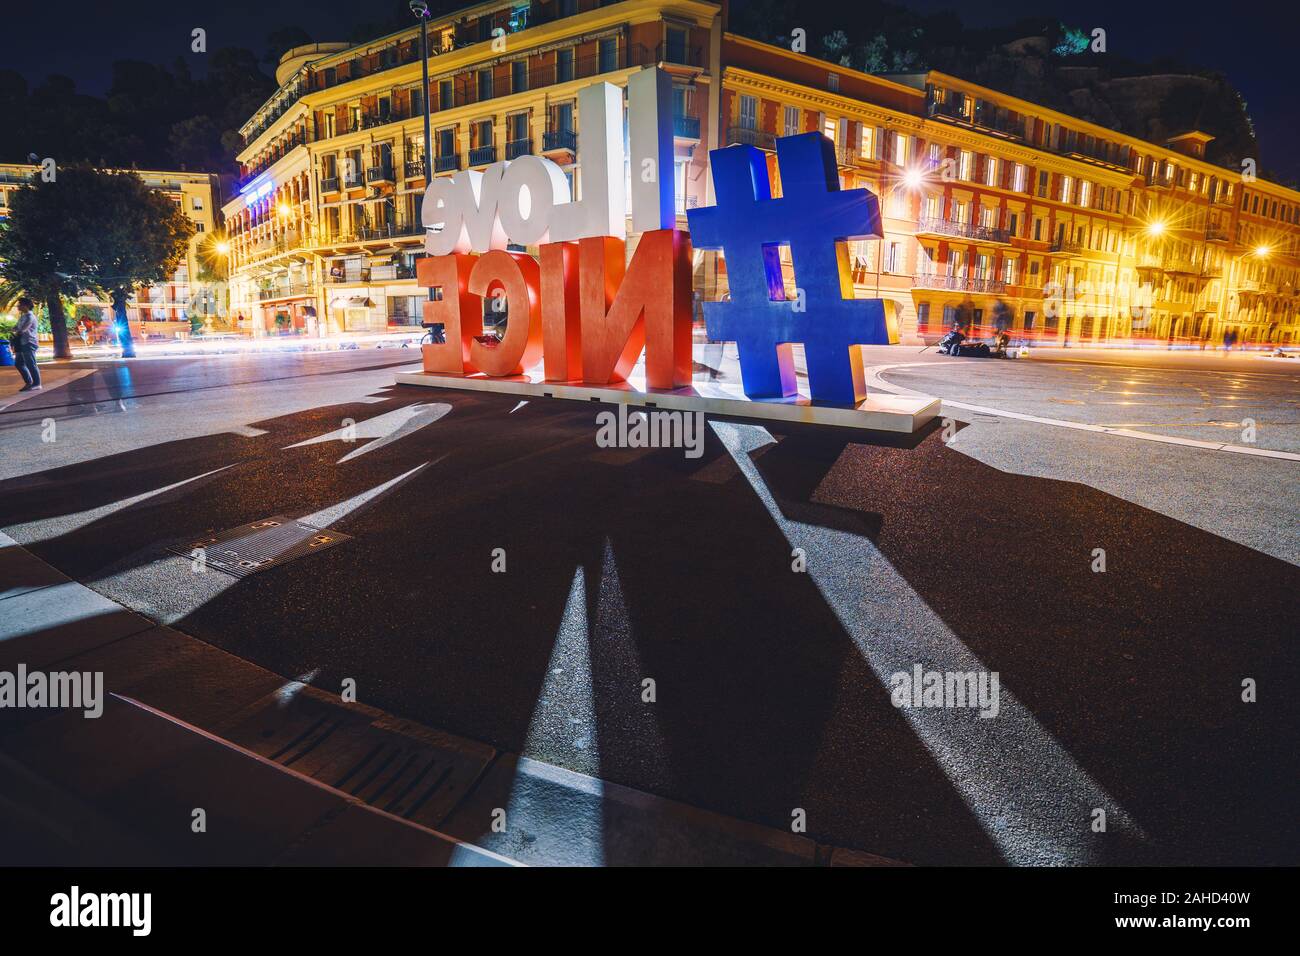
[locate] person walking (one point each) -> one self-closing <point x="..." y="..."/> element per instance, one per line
<point x="24" y="343"/>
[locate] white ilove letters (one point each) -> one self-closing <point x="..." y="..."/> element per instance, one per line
<point x="526" y="201"/>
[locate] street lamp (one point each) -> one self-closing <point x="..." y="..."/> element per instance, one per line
<point x="421" y="11"/>
<point x="1263" y="251"/>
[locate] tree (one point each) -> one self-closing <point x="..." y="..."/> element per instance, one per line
<point x="91" y="231"/>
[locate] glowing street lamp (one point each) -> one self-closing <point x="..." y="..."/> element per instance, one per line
<point x="1263" y="251"/>
<point x="222" y="247"/>
<point x="913" y="178"/>
<point x="1156" y="228"/>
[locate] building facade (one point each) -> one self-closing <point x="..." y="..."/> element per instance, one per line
<point x="996" y="211"/>
<point x="164" y="310"/>
<point x="326" y="229"/>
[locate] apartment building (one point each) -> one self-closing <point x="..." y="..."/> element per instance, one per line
<point x="999" y="211"/>
<point x="164" y="310"/>
<point x="996" y="211"/>
<point x="326" y="228"/>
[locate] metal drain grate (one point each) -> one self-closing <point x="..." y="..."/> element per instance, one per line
<point x="260" y="545"/>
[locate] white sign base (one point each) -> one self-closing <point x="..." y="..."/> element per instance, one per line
<point x="888" y="413"/>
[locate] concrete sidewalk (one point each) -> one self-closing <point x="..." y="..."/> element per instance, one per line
<point x="202" y="758"/>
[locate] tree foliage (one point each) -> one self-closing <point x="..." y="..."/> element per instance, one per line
<point x="89" y="231"/>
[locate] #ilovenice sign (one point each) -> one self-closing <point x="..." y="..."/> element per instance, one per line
<point x="580" y="316"/>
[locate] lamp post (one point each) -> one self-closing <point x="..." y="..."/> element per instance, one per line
<point x="421" y="10"/>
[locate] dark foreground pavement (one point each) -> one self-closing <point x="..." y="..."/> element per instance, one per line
<point x="1122" y="690"/>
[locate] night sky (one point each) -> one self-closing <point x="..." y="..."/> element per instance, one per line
<point x="1253" y="44"/>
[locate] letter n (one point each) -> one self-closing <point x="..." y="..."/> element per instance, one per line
<point x="459" y="311"/>
<point x="561" y="316"/>
<point x="648" y="306"/>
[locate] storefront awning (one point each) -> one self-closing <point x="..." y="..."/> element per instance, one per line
<point x="351" y="302"/>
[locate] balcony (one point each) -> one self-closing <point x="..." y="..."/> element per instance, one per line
<point x="294" y="290"/>
<point x="959" y="283"/>
<point x="686" y="127"/>
<point x="1216" y="235"/>
<point x="751" y="137"/>
<point x="962" y="230"/>
<point x="519" y="147"/>
<point x="482" y="155"/>
<point x="559" y="141"/>
<point x="355" y="181"/>
<point x="445" y="164"/>
<point x="329" y="185"/>
<point x="679" y="54"/>
<point x="376" y="175"/>
<point x="1067" y="247"/>
<point x="414" y="168"/>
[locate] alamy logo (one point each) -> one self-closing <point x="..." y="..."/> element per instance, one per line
<point x="75" y="908"/>
<point x="946" y="689"/>
<point x="82" y="690"/>
<point x="645" y="429"/>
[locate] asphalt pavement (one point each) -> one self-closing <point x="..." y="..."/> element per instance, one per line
<point x="1121" y="689"/>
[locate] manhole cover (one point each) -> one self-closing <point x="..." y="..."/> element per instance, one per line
<point x="260" y="545"/>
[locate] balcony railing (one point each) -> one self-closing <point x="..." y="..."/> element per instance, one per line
<point x="959" y="283"/>
<point x="353" y="181"/>
<point x="414" y="168"/>
<point x="518" y="147"/>
<point x="1216" y="235"/>
<point x="482" y="155"/>
<point x="962" y="230"/>
<point x="379" y="174"/>
<point x="557" y="139"/>
<point x="445" y="164"/>
<point x="329" y="185"/>
<point x="678" y="53"/>
<point x="751" y="137"/>
<point x="288" y="291"/>
<point x="1067" y="247"/>
<point x="687" y="127"/>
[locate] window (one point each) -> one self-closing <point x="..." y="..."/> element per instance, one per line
<point x="1067" y="188"/>
<point x="893" y="258"/>
<point x="1013" y="224"/>
<point x="1009" y="271"/>
<point x="748" y="112"/>
<point x="1042" y="184"/>
<point x="790" y="121"/>
<point x="482" y="133"/>
<point x="1019" y="179"/>
<point x="564" y="117"/>
<point x="923" y="314"/>
<point x="965" y="164"/>
<point x="518" y="76"/>
<point x="833" y="82"/>
<point x="354" y="118"/>
<point x="446" y="95"/>
<point x="417" y="102"/>
<point x="517" y="127"/>
<point x="900" y="149"/>
<point x="679" y="186"/>
<point x="196" y="202"/>
<point x="564" y="65"/>
<point x="608" y="54"/>
<point x="485" y="84"/>
<point x="447" y="141"/>
<point x="1085" y="192"/>
<point x="990" y="171"/>
<point x="1029" y="320"/>
<point x="675" y="45"/>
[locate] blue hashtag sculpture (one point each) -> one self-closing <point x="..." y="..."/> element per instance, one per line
<point x="813" y="215"/>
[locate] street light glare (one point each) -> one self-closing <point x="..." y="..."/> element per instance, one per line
<point x="1155" y="228"/>
<point x="913" y="178"/>
<point x="1262" y="251"/>
<point x="223" y="248"/>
